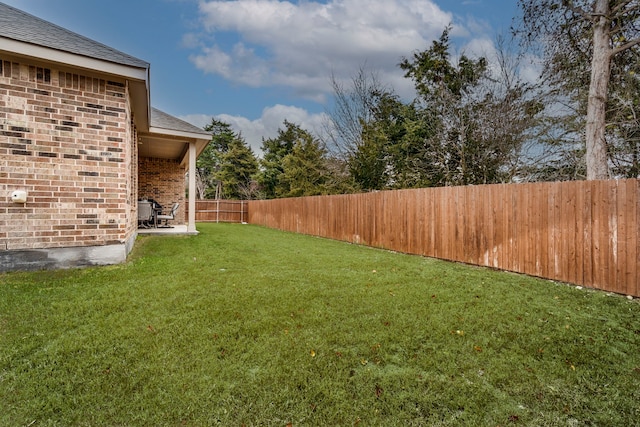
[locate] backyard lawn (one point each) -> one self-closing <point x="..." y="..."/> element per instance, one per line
<point x="242" y="325"/>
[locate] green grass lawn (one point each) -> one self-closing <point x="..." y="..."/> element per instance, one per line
<point x="242" y="325"/>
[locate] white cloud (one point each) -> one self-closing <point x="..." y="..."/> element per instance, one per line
<point x="299" y="46"/>
<point x="241" y="65"/>
<point x="479" y="47"/>
<point x="266" y="126"/>
<point x="531" y="68"/>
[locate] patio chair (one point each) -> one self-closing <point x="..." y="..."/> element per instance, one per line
<point x="170" y="216"/>
<point x="145" y="214"/>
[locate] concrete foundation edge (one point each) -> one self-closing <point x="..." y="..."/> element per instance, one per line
<point x="60" y="258"/>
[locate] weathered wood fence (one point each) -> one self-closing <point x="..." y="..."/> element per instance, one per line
<point x="221" y="210"/>
<point x="581" y="232"/>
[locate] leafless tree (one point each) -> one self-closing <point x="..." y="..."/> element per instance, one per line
<point x="601" y="29"/>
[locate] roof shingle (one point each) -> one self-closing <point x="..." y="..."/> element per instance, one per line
<point x="163" y="120"/>
<point x="21" y="26"/>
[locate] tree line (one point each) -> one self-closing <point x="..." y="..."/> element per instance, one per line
<point x="474" y="120"/>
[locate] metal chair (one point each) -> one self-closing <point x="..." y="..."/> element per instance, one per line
<point x="170" y="216"/>
<point x="145" y="214"/>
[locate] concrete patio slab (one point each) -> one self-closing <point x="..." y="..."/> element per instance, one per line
<point x="174" y="230"/>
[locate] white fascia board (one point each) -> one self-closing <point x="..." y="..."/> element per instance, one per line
<point x="180" y="133"/>
<point x="71" y="59"/>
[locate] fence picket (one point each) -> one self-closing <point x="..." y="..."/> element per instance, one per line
<point x="582" y="232"/>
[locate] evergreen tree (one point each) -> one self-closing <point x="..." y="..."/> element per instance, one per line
<point x="274" y="151"/>
<point x="209" y="161"/>
<point x="460" y="112"/>
<point x="295" y="163"/>
<point x="305" y="171"/>
<point x="227" y="166"/>
<point x="238" y="168"/>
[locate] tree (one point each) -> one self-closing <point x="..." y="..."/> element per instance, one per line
<point x="469" y="124"/>
<point x="352" y="112"/>
<point x="208" y="163"/>
<point x="597" y="29"/>
<point x="375" y="134"/>
<point x="444" y="91"/>
<point x="394" y="138"/>
<point x="339" y="180"/>
<point x="474" y="123"/>
<point x="623" y="116"/>
<point x="305" y="171"/>
<point x="227" y="166"/>
<point x="238" y="167"/>
<point x="296" y="164"/>
<point x="352" y="108"/>
<point x="274" y="151"/>
<point x="514" y="117"/>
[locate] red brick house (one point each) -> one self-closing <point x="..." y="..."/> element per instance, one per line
<point x="79" y="145"/>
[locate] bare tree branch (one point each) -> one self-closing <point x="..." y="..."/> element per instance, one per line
<point x="625" y="46"/>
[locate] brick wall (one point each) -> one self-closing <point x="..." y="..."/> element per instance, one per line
<point x="163" y="181"/>
<point x="67" y="139"/>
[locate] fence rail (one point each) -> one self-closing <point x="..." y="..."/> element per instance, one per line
<point x="581" y="232"/>
<point x="221" y="211"/>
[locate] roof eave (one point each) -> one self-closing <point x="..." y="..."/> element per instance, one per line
<point x="201" y="140"/>
<point x="138" y="77"/>
<point x="179" y="133"/>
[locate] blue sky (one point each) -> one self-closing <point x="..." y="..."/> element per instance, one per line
<point x="255" y="63"/>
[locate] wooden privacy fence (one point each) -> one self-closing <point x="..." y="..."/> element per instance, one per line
<point x="221" y="210"/>
<point x="581" y="232"/>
